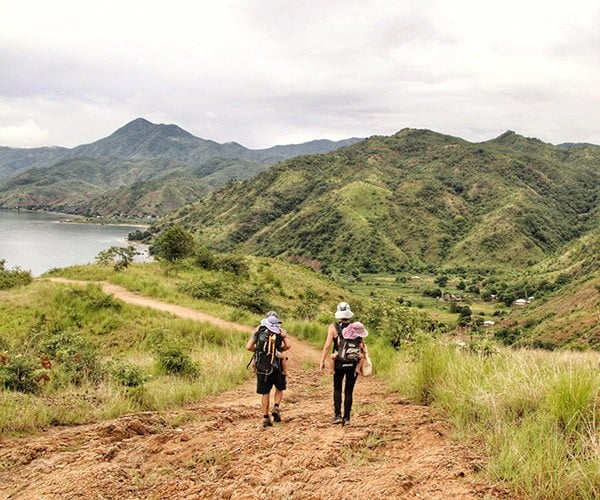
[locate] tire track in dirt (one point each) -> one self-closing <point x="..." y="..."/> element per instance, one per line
<point x="392" y="449"/>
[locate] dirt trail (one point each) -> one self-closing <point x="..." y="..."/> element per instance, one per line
<point x="392" y="449"/>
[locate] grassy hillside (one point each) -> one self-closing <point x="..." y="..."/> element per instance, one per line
<point x="570" y="315"/>
<point x="13" y="161"/>
<point x="69" y="182"/>
<point x="70" y="354"/>
<point x="148" y="198"/>
<point x="409" y="201"/>
<point x="260" y="285"/>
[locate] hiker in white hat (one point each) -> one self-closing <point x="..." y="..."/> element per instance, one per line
<point x="345" y="357"/>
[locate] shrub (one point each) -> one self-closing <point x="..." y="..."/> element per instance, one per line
<point x="435" y="293"/>
<point x="175" y="244"/>
<point x="232" y="263"/>
<point x="127" y="374"/>
<point x="119" y="257"/>
<point x="20" y="373"/>
<point x="204" y="258"/>
<point x="396" y="323"/>
<point x="507" y="335"/>
<point x="10" y="278"/>
<point x="173" y="361"/>
<point x="138" y="235"/>
<point x="76" y="356"/>
<point x="254" y="300"/>
<point x="205" y="289"/>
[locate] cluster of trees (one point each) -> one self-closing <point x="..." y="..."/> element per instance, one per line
<point x="176" y="244"/>
<point x="229" y="284"/>
<point x="489" y="288"/>
<point x="397" y="323"/>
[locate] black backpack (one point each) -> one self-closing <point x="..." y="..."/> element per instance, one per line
<point x="348" y="350"/>
<point x="265" y="359"/>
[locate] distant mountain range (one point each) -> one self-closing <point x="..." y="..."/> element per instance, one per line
<point x="141" y="170"/>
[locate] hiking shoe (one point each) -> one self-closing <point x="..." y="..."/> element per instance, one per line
<point x="276" y="414"/>
<point x="337" y="419"/>
<point x="345" y="421"/>
<point x="267" y="422"/>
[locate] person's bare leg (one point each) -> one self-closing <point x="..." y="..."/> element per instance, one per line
<point x="264" y="403"/>
<point x="278" y="397"/>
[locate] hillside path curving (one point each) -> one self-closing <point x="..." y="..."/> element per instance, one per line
<point x="393" y="449"/>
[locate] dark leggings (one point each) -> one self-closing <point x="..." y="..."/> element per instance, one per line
<point x="338" y="379"/>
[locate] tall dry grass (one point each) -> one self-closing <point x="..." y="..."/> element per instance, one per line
<point x="537" y="412"/>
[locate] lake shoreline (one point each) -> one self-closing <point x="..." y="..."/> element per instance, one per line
<point x="79" y="219"/>
<point x="39" y="241"/>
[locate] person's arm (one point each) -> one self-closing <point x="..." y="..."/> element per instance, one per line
<point x="251" y="344"/>
<point x="285" y="340"/>
<point x="327" y="347"/>
<point x="361" y="360"/>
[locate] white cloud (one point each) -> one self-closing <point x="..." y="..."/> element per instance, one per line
<point x="23" y="134"/>
<point x="268" y="72"/>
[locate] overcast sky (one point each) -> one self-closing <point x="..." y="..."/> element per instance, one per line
<point x="272" y="72"/>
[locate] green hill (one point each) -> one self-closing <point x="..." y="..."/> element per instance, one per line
<point x="409" y="201"/>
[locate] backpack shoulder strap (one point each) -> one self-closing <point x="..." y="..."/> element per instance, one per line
<point x="336" y="339"/>
<point x="338" y="329"/>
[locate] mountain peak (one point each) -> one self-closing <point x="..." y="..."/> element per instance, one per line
<point x="511" y="138"/>
<point x="137" y="125"/>
<point x="509" y="134"/>
<point x="143" y="126"/>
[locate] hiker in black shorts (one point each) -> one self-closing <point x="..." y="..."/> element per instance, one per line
<point x="340" y="370"/>
<point x="273" y="376"/>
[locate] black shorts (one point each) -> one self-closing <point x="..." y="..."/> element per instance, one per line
<point x="264" y="383"/>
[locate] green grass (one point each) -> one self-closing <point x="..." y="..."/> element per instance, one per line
<point x="89" y="402"/>
<point x="536" y="412"/>
<point x="292" y="290"/>
<point x="108" y="358"/>
<point x="102" y="357"/>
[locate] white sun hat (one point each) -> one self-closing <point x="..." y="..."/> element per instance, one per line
<point x="343" y="311"/>
<point x="272" y="323"/>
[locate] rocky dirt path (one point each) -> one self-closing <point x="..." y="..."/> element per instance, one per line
<point x="392" y="449"/>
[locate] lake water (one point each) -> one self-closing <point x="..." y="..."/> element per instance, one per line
<point x="38" y="241"/>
